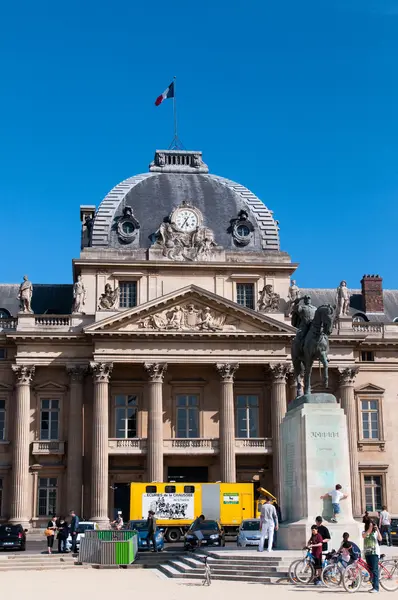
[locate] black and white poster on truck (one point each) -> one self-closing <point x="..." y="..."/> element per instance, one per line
<point x="169" y="506"/>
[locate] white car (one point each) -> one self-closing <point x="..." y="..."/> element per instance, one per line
<point x="249" y="533"/>
<point x="83" y="527"/>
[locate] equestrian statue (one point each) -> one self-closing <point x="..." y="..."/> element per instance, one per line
<point x="311" y="343"/>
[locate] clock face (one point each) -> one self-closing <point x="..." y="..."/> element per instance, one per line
<point x="186" y="220"/>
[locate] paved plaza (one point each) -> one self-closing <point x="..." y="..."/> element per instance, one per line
<point x="123" y="584"/>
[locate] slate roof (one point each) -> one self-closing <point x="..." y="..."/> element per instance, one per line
<point x="153" y="196"/>
<point x="327" y="296"/>
<point x="47" y="298"/>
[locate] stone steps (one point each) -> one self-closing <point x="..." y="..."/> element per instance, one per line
<point x="229" y="567"/>
<point x="35" y="562"/>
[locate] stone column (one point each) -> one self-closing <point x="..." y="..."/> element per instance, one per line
<point x="156" y="373"/>
<point x="347" y="397"/>
<point x="74" y="473"/>
<point x="227" y="422"/>
<point x="19" y="506"/>
<point x="99" y="454"/>
<point x="279" y="373"/>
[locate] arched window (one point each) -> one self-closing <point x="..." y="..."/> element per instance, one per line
<point x="4" y="314"/>
<point x="395" y="320"/>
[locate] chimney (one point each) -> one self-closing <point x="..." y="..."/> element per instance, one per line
<point x="372" y="293"/>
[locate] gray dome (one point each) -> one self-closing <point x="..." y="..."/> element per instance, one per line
<point x="153" y="196"/>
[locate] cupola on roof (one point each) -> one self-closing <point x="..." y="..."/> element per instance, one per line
<point x="179" y="192"/>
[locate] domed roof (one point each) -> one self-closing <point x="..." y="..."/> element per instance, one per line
<point x="175" y="178"/>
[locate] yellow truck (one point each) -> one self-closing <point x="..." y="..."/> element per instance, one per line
<point x="176" y="505"/>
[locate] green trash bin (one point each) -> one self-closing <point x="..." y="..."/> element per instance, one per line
<point x="118" y="552"/>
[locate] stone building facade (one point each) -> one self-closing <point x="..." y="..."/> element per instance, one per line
<point x="169" y="357"/>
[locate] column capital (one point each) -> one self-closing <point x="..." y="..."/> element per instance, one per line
<point x="101" y="371"/>
<point x="278" y="372"/>
<point x="156" y="371"/>
<point x="227" y="371"/>
<point x="23" y="373"/>
<point x="347" y="375"/>
<point x="77" y="372"/>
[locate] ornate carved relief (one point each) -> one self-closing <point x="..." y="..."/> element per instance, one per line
<point x="227" y="371"/>
<point x="77" y="372"/>
<point x="101" y="371"/>
<point x="23" y="373"/>
<point x="109" y="299"/>
<point x="188" y="317"/>
<point x="269" y="300"/>
<point x="181" y="236"/>
<point x="347" y="375"/>
<point x="156" y="371"/>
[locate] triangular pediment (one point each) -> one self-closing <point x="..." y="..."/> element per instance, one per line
<point x="369" y="388"/>
<point x="50" y="386"/>
<point x="190" y="310"/>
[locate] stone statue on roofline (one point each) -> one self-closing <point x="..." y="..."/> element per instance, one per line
<point x="79" y="295"/>
<point x="342" y="300"/>
<point x="25" y="296"/>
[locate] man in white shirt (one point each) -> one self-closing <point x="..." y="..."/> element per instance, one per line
<point x="268" y="524"/>
<point x="336" y="495"/>
<point x="385" y="525"/>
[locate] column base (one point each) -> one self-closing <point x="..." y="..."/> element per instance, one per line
<point x="24" y="522"/>
<point x="102" y="522"/>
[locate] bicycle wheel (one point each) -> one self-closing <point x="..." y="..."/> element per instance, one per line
<point x="304" y="571"/>
<point x="332" y="575"/>
<point x="352" y="578"/>
<point x="292" y="571"/>
<point x="389" y="575"/>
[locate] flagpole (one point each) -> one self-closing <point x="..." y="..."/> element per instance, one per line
<point x="175" y="110"/>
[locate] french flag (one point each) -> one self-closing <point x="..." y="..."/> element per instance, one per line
<point x="168" y="93"/>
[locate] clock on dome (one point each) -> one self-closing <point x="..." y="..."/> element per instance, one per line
<point x="186" y="218"/>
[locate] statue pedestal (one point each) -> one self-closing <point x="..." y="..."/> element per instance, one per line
<point x="315" y="458"/>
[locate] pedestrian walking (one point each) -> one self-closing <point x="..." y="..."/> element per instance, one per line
<point x="336" y="495"/>
<point x="268" y="524"/>
<point x="385" y="525"/>
<point x="323" y="532"/>
<point x="63" y="532"/>
<point x="50" y="533"/>
<point x="152" y="527"/>
<point x="371" y="539"/>
<point x="74" y="529"/>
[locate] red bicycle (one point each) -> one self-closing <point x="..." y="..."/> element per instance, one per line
<point x="358" y="573"/>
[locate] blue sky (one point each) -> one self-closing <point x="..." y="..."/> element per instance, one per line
<point x="296" y="100"/>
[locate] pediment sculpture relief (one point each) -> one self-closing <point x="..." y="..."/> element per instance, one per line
<point x="189" y="317"/>
<point x="182" y="237"/>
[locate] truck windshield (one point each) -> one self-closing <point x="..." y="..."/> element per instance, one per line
<point x="250" y="525"/>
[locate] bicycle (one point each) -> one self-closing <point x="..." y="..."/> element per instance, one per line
<point x="359" y="572"/>
<point x="303" y="570"/>
<point x="332" y="573"/>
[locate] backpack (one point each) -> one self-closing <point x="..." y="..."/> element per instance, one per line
<point x="355" y="551"/>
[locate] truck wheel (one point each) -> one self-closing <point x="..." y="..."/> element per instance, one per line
<point x="173" y="535"/>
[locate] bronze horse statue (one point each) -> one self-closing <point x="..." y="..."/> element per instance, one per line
<point x="315" y="346"/>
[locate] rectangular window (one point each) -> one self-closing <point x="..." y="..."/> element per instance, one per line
<point x="127" y="294"/>
<point x="47" y="501"/>
<point x="170" y="489"/>
<point x="125" y="416"/>
<point x="2" y="420"/>
<point x="245" y="294"/>
<point x="187" y="416"/>
<point x="189" y="489"/>
<point x="151" y="489"/>
<point x="367" y="356"/>
<point x="373" y="492"/>
<point x="49" y="419"/>
<point x="2" y="353"/>
<point x="247" y="416"/>
<point x="370" y="419"/>
<point x="1" y="497"/>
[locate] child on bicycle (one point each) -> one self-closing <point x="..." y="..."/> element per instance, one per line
<point x="349" y="550"/>
<point x="315" y="545"/>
